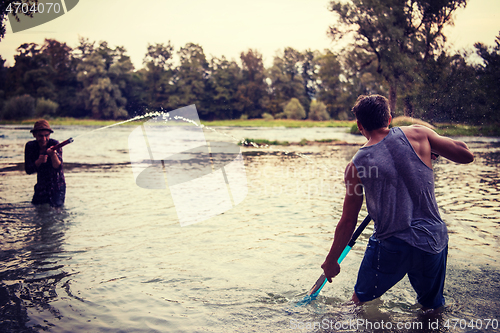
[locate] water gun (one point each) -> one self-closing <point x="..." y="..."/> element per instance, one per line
<point x="320" y="283"/>
<point x="62" y="144"/>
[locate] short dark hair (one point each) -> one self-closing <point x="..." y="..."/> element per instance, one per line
<point x="373" y="111"/>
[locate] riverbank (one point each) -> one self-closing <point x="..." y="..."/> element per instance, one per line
<point x="66" y="121"/>
<point x="446" y="129"/>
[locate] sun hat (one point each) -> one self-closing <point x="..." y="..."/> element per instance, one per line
<point x="42" y="125"/>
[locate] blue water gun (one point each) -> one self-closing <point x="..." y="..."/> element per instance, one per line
<point x="320" y="283"/>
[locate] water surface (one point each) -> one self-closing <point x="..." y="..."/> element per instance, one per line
<point x="115" y="259"/>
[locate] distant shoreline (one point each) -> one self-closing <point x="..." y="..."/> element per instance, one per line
<point x="443" y="129"/>
<point x="66" y="121"/>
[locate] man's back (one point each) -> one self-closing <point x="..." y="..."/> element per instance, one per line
<point x="399" y="190"/>
<point x="426" y="271"/>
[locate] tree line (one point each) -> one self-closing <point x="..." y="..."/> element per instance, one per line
<point x="398" y="51"/>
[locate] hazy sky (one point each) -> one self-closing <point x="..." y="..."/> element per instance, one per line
<point x="223" y="27"/>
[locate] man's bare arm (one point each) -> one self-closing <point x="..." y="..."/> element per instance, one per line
<point x="425" y="142"/>
<point x="454" y="150"/>
<point x="345" y="228"/>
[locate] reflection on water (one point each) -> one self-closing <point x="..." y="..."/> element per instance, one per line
<point x="115" y="259"/>
<point x="31" y="239"/>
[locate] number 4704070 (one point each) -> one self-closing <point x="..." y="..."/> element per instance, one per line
<point x="472" y="324"/>
<point x="25" y="8"/>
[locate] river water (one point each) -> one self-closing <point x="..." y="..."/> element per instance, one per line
<point x="115" y="258"/>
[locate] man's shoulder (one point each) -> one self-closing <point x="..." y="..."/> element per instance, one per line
<point x="31" y="144"/>
<point x="417" y="128"/>
<point x="416" y="132"/>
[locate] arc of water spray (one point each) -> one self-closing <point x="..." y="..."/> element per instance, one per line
<point x="321" y="281"/>
<point x="160" y="113"/>
<point x="147" y="115"/>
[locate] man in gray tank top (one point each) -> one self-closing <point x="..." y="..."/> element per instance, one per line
<point x="394" y="171"/>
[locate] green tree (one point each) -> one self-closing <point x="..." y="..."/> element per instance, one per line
<point x="190" y="79"/>
<point x="158" y="74"/>
<point x="397" y="35"/>
<point x="286" y="80"/>
<point x="84" y="49"/>
<point x="489" y="79"/>
<point x="135" y="93"/>
<point x="31" y="73"/>
<point x="19" y="107"/>
<point x="309" y="72"/>
<point x="102" y="97"/>
<point x="318" y="111"/>
<point x="121" y="73"/>
<point x="357" y="75"/>
<point x="330" y="85"/>
<point x="63" y="76"/>
<point x="3" y="82"/>
<point x="47" y="72"/>
<point x="45" y="107"/>
<point x="224" y="78"/>
<point x="449" y="91"/>
<point x="252" y="95"/>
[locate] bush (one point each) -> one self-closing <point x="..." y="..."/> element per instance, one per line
<point x="244" y="117"/>
<point x="354" y="129"/>
<point x="45" y="107"/>
<point x="318" y="111"/>
<point x="342" y="115"/>
<point x="2" y="101"/>
<point x="408" y="121"/>
<point x="280" y="115"/>
<point x="294" y="110"/>
<point x="262" y="142"/>
<point x="19" y="107"/>
<point x="303" y="142"/>
<point x="267" y="116"/>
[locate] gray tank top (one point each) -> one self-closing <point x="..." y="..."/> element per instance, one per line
<point x="399" y="191"/>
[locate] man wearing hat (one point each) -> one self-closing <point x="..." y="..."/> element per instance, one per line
<point x="40" y="157"/>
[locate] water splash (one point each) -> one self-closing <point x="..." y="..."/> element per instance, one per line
<point x="166" y="117"/>
<point x="241" y="141"/>
<point x="147" y="115"/>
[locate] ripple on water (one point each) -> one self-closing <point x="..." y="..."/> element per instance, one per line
<point x="115" y="258"/>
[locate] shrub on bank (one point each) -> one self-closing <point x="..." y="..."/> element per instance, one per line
<point x="19" y="107"/>
<point x="318" y="111"/>
<point x="45" y="107"/>
<point x="294" y="110"/>
<point x="267" y="116"/>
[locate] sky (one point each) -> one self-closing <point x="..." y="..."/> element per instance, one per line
<point x="223" y="27"/>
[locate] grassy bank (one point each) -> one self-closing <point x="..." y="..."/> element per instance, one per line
<point x="66" y="121"/>
<point x="468" y="130"/>
<point x="226" y="123"/>
<point x="443" y="129"/>
<point x="304" y="142"/>
<point x="278" y="123"/>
